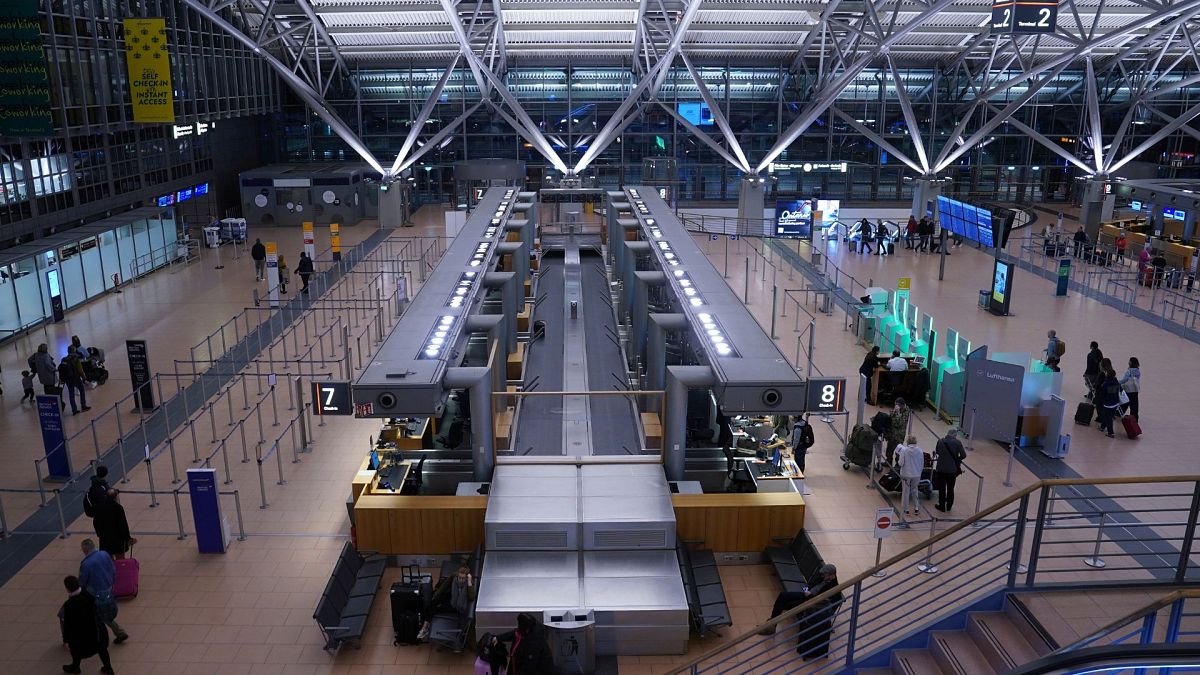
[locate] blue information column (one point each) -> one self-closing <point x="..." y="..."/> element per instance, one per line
<point x="58" y="460"/>
<point x="212" y="532"/>
<point x="1064" y="277"/>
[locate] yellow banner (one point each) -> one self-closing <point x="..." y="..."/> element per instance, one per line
<point x="149" y="71"/>
<point x="335" y="240"/>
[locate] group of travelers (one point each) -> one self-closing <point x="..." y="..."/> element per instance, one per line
<point x="1112" y="396"/>
<point x="304" y="268"/>
<point x="918" y="235"/>
<point x="80" y="369"/>
<point x="90" y="609"/>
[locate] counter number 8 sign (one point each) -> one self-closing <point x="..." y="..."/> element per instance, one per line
<point x="826" y="395"/>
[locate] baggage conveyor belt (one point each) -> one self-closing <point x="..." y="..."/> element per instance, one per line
<point x="580" y="354"/>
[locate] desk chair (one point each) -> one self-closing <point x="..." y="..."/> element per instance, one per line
<point x="737" y="474"/>
<point x="415" y="479"/>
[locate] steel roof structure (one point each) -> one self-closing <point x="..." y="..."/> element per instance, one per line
<point x="1120" y="50"/>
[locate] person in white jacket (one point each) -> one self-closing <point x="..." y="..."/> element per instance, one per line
<point x="910" y="461"/>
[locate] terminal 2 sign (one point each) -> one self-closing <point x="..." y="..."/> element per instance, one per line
<point x="1024" y="17"/>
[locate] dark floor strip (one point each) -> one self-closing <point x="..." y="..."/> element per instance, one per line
<point x="28" y="539"/>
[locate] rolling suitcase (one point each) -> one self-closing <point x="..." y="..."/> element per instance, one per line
<point x="890" y="481"/>
<point x="1084" y="413"/>
<point x="407" y="604"/>
<point x="1132" y="428"/>
<point x="125" y="584"/>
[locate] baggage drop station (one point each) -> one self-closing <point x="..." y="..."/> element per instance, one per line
<point x="553" y="404"/>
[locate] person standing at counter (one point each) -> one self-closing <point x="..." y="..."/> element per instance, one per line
<point x="869" y="364"/>
<point x="802" y="440"/>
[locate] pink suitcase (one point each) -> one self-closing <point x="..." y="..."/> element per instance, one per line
<point x="126" y="583"/>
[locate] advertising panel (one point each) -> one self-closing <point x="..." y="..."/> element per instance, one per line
<point x="149" y="71"/>
<point x="793" y="218"/>
<point x="24" y="86"/>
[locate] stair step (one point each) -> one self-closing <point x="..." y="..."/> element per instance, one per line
<point x="914" y="662"/>
<point x="957" y="654"/>
<point x="1031" y="634"/>
<point x="874" y="671"/>
<point x="1000" y="640"/>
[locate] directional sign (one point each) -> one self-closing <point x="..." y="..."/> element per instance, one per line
<point x="1024" y="17"/>
<point x="884" y="517"/>
<point x="714" y="237"/>
<point x="733" y="237"/>
<point x="826" y="395"/>
<point x="332" y="398"/>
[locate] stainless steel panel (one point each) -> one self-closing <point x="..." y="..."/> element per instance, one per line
<point x="624" y="564"/>
<point x="634" y="594"/>
<point x="536" y="565"/>
<point x="628" y="508"/>
<point x="516" y="594"/>
<point x="540" y="509"/>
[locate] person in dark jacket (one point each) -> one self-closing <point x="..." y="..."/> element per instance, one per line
<point x="530" y="653"/>
<point x="802" y="440"/>
<point x="304" y="269"/>
<point x="1081" y="241"/>
<point x="112" y="527"/>
<point x="789" y="600"/>
<point x="1091" y="374"/>
<point x="869" y="364"/>
<point x="910" y="233"/>
<point x="97" y="492"/>
<point x="866" y="234"/>
<point x="948" y="456"/>
<point x="1108" y="398"/>
<point x="82" y="630"/>
<point x="258" y="253"/>
<point x="70" y="371"/>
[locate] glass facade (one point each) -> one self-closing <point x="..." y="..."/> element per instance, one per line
<point x="571" y="104"/>
<point x="86" y="259"/>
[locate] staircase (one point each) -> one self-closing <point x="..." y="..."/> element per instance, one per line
<point x="991" y="642"/>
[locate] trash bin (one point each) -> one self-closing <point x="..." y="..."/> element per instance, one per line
<point x="572" y="639"/>
<point x="212" y="237"/>
<point x="983" y="298"/>
<point x="816" y="257"/>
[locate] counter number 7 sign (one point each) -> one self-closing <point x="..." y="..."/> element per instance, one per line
<point x="332" y="398"/>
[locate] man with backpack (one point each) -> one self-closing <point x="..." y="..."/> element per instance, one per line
<point x="1054" y="347"/>
<point x="802" y="440"/>
<point x="70" y="372"/>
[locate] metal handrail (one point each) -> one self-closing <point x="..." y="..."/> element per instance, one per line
<point x="987" y="523"/>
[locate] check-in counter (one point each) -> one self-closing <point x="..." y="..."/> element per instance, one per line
<point x="406" y="433"/>
<point x="789" y="478"/>
<point x="652" y="428"/>
<point x="911" y="384"/>
<point x="738" y="522"/>
<point x="396" y="524"/>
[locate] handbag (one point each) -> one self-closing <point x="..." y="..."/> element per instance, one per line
<point x="1122" y="397"/>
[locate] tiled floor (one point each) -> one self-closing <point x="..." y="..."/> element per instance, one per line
<point x="249" y="611"/>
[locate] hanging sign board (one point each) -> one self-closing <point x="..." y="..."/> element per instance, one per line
<point x="149" y="67"/>
<point x="24" y="86"/>
<point x="1024" y="17"/>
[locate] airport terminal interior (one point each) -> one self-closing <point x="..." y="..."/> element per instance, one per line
<point x="599" y="336"/>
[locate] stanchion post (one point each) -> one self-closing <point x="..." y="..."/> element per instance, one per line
<point x="746" y="284"/>
<point x="237" y="505"/>
<point x="274" y="408"/>
<point x="774" y="299"/>
<point x="878" y="553"/>
<point x="279" y="464"/>
<point x="178" y="515"/>
<point x="1096" y="561"/>
<point x="262" y="485"/>
<point x="245" y="452"/>
<point x="1012" y="453"/>
<point x="927" y="565"/>
<point x="225" y="460"/>
<point x="191" y="424"/>
<point x="174" y="466"/>
<point x="150" y="478"/>
<point x="62" y="519"/>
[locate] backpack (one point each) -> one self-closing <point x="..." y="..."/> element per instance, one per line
<point x="881" y="423"/>
<point x="1060" y="348"/>
<point x="65" y="371"/>
<point x="495" y="655"/>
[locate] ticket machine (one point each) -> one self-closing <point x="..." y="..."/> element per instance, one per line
<point x="949" y="376"/>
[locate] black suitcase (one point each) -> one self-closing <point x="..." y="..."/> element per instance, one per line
<point x="1084" y="413"/>
<point x="407" y="606"/>
<point x="890" y="481"/>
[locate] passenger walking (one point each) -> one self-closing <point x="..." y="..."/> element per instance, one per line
<point x="866" y="234"/>
<point x="27" y="386"/>
<point x="284" y="275"/>
<point x="82" y="630"/>
<point x="304" y="268"/>
<point x="1121" y="243"/>
<point x="112" y="527"/>
<point x="97" y="573"/>
<point x="1081" y="241"/>
<point x="1143" y="263"/>
<point x="70" y="372"/>
<point x="802" y="440"/>
<point x="530" y="653"/>
<point x="43" y="364"/>
<point x="1054" y="346"/>
<point x="910" y="233"/>
<point x="97" y="493"/>
<point x="882" y="237"/>
<point x="1091" y="374"/>
<point x="910" y="461"/>
<point x="925" y="232"/>
<point x="1131" y="382"/>
<point x="1108" y="398"/>
<point x="948" y="456"/>
<point x="258" y="253"/>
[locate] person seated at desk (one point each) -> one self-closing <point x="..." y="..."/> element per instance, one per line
<point x="897" y="364"/>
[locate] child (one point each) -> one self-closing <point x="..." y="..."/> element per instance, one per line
<point x="27" y="384"/>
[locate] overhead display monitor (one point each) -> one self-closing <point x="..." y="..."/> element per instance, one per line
<point x="166" y="200"/>
<point x="697" y="113"/>
<point x="1170" y="213"/>
<point x="793" y="218"/>
<point x="1002" y="274"/>
<point x="201" y="189"/>
<point x="184" y="195"/>
<point x="1135" y="205"/>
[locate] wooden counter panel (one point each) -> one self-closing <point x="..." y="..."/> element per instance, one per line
<point x="738" y="522"/>
<point x="411" y="524"/>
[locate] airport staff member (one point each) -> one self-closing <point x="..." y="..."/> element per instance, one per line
<point x="897" y="364"/>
